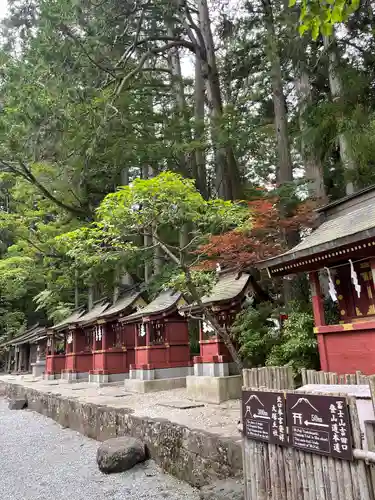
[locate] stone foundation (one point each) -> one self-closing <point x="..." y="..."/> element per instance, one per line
<point x="107" y="378"/>
<point x="38" y="368"/>
<point x="214" y="389"/>
<point x="160" y="373"/>
<point x="195" y="456"/>
<point x="163" y="384"/>
<point x="74" y="376"/>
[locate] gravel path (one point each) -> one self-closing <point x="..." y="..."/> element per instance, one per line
<point x="39" y="460"/>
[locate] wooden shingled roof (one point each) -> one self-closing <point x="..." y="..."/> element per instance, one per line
<point x="31" y="335"/>
<point x="94" y="313"/>
<point x="161" y="304"/>
<point x="123" y="303"/>
<point x="230" y="286"/>
<point x="70" y="320"/>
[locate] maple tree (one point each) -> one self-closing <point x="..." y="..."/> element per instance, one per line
<point x="266" y="238"/>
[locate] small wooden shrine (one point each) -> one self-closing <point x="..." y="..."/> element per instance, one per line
<point x="225" y="301"/>
<point x="161" y="342"/>
<point x="339" y="257"/>
<point x="26" y="352"/>
<point x="57" y="344"/>
<point x="114" y="341"/>
<point x="80" y="343"/>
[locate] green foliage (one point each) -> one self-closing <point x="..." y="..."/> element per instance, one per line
<point x="48" y="301"/>
<point x="319" y="16"/>
<point x="165" y="201"/>
<point x="202" y="280"/>
<point x="297" y="346"/>
<point x="254" y="335"/>
<point x="262" y="343"/>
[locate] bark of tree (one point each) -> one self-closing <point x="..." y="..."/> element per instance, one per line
<point x="284" y="173"/>
<point x="200" y="173"/>
<point x="76" y="289"/>
<point x="311" y="160"/>
<point x="285" y="166"/>
<point x="147" y="240"/>
<point x="90" y="297"/>
<point x="335" y="86"/>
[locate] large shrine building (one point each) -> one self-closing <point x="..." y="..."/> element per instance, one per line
<point x="339" y="258"/>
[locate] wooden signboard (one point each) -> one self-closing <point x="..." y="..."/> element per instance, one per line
<point x="264" y="416"/>
<point x="319" y="424"/>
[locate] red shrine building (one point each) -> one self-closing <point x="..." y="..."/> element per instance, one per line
<point x="113" y="349"/>
<point x="80" y="344"/>
<point x="225" y="302"/>
<point x="339" y="258"/>
<point x="94" y="345"/>
<point x="60" y="336"/>
<point x="162" y="352"/>
<point x="215" y="378"/>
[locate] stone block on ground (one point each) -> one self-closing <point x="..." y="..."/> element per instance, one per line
<point x="17" y="403"/>
<point x="223" y="490"/>
<point x="120" y="454"/>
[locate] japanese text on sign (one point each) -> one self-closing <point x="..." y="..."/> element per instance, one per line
<point x="319" y="424"/>
<point x="264" y="416"/>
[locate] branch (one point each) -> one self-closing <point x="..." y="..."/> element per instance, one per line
<point x="166" y="38"/>
<point x="67" y="32"/>
<point x="51" y="255"/>
<point x="26" y="174"/>
<point x="146" y="55"/>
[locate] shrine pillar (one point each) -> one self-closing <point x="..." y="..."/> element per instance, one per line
<point x="317" y="299"/>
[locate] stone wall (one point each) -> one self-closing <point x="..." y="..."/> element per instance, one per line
<point x="194" y="456"/>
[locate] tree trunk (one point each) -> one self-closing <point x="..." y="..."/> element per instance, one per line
<point x="284" y="172"/>
<point x="285" y="167"/>
<point x="90" y="297"/>
<point x="147" y="240"/>
<point x="228" y="179"/>
<point x="335" y="85"/>
<point x="311" y="160"/>
<point x="124" y="176"/>
<point x="200" y="172"/>
<point x="177" y="84"/>
<point x="76" y="289"/>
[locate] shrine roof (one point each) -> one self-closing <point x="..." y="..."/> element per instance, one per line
<point x="229" y="286"/>
<point x="94" y="313"/>
<point x="161" y="304"/>
<point x="121" y="304"/>
<point x="347" y="222"/>
<point x="70" y="320"/>
<point x="31" y="335"/>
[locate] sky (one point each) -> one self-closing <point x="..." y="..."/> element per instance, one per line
<point x="3" y="8"/>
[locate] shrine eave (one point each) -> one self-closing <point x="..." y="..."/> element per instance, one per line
<point x="353" y="246"/>
<point x="70" y="320"/>
<point x="32" y="335"/>
<point x="230" y="288"/>
<point x="92" y="315"/>
<point x="121" y="306"/>
<point x="163" y="304"/>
